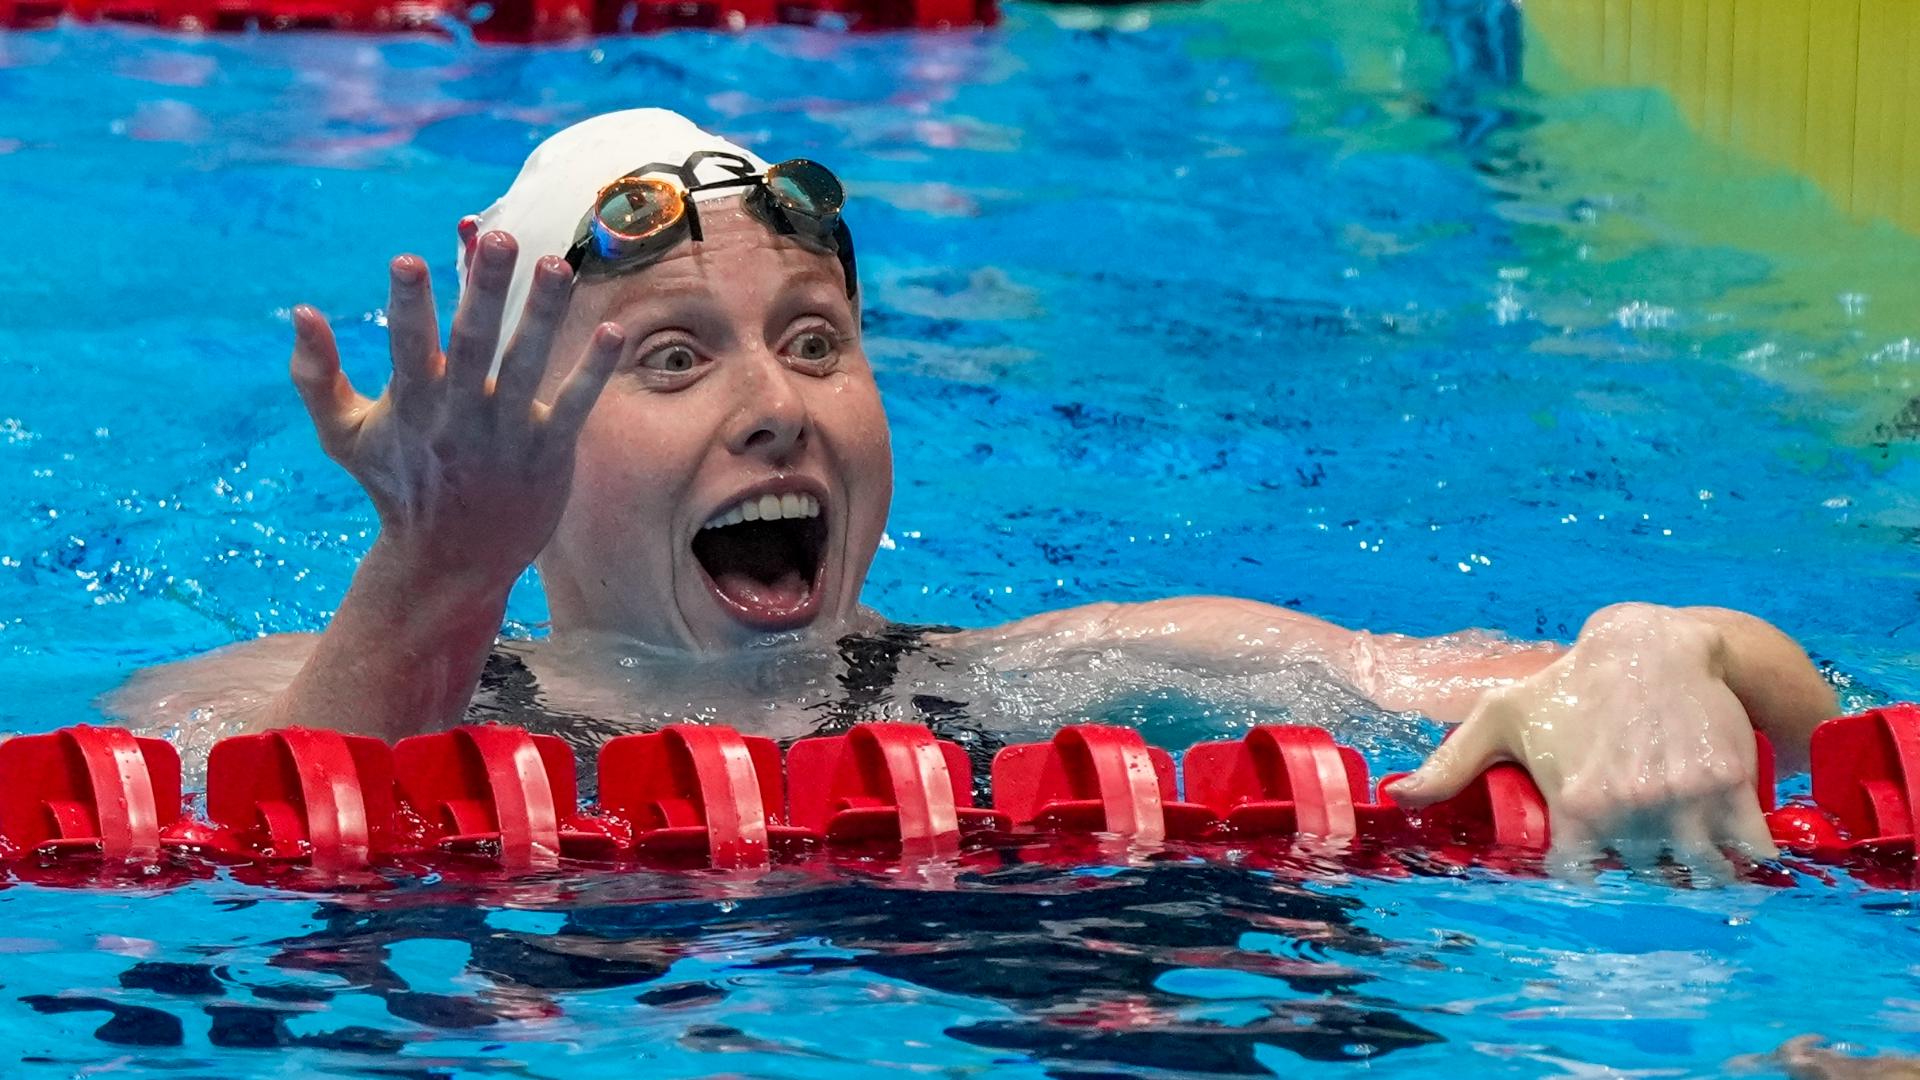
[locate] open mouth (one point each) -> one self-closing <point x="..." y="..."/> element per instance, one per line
<point x="762" y="558"/>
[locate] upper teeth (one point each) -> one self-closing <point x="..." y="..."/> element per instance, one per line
<point x="767" y="508"/>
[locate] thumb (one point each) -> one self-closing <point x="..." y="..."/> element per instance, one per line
<point x="315" y="367"/>
<point x="1475" y="745"/>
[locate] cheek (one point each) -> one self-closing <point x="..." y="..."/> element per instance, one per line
<point x="876" y="436"/>
<point x="631" y="469"/>
<point x="865" y="443"/>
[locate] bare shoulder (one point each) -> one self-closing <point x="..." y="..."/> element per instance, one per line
<point x="227" y="687"/>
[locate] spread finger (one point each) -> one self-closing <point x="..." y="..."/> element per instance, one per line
<point x="582" y="388"/>
<point x="476" y="326"/>
<point x="413" y="328"/>
<point x="526" y="359"/>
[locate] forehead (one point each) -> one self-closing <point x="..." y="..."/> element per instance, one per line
<point x="738" y="256"/>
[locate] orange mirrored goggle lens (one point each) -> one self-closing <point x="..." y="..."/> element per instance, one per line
<point x="636" y="208"/>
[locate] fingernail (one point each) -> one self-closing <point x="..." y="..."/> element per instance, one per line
<point x="610" y="333"/>
<point x="552" y="272"/>
<point x="497" y="242"/>
<point x="409" y="269"/>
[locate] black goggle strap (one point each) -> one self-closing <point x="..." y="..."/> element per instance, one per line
<point x="826" y="229"/>
<point x="843" y="249"/>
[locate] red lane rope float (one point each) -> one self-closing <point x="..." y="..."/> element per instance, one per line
<point x="693" y="795"/>
<point x="484" y="790"/>
<point x="1280" y="780"/>
<point x="297" y="794"/>
<point x="1866" y="791"/>
<point x="886" y="783"/>
<point x="88" y="789"/>
<point x="498" y="793"/>
<point x="504" y="20"/>
<point x="1501" y="808"/>
<point x="1092" y="778"/>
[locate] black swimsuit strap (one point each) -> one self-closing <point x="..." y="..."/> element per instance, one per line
<point x="509" y="693"/>
<point x="508" y="681"/>
<point x="873" y="668"/>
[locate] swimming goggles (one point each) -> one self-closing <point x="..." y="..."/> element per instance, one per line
<point x="642" y="215"/>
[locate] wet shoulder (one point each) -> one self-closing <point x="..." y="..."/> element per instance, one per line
<point x="225" y="689"/>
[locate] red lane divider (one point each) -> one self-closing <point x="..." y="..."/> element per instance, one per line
<point x="498" y="793"/>
<point x="1286" y="781"/>
<point x="693" y="795"/>
<point x="88" y="790"/>
<point x="504" y="20"/>
<point x="1095" y="779"/>
<point x="300" y="795"/>
<point x="1866" y="790"/>
<point x="698" y="795"/>
<point x="1501" y="808"/>
<point x="887" y="783"/>
<point x="30" y="14"/>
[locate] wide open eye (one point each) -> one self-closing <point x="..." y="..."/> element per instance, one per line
<point x="813" y="346"/>
<point x="673" y="359"/>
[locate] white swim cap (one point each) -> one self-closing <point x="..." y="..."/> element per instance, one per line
<point x="556" y="187"/>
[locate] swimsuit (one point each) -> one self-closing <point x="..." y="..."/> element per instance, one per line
<point x="509" y="693"/>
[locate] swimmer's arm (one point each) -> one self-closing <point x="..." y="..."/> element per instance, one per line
<point x="469" y="473"/>
<point x="1441" y="677"/>
<point x="403" y="653"/>
<point x="213" y="695"/>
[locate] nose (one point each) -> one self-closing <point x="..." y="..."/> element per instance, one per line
<point x="772" y="420"/>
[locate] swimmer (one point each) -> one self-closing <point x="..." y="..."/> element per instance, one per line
<point x="655" y="391"/>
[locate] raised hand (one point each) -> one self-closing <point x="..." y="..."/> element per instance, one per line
<point x="1635" y="739"/>
<point x="469" y="473"/>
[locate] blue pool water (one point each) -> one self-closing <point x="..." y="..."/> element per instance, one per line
<point x="1155" y="312"/>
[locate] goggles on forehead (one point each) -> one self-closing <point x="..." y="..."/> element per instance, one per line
<point x="644" y="214"/>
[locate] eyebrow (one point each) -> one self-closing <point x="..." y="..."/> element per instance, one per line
<point x="815" y="277"/>
<point x="702" y="287"/>
<point x="681" y="286"/>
